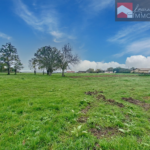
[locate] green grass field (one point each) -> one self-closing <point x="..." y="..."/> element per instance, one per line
<point x="53" y="113"/>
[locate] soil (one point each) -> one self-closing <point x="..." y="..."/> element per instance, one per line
<point x="132" y="89"/>
<point x="115" y="103"/>
<point x="103" y="76"/>
<point x="101" y="97"/>
<point x="85" y="110"/>
<point x="104" y="132"/>
<point x="93" y="92"/>
<point x="111" y="101"/>
<point x="97" y="146"/>
<point x="147" y="98"/>
<point x="82" y="119"/>
<point x="146" y="106"/>
<point x="131" y="100"/>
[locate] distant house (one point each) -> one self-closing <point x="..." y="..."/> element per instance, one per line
<point x="70" y="72"/>
<point x="108" y="72"/>
<point x="81" y="72"/>
<point x="141" y="70"/>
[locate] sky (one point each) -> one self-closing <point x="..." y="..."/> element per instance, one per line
<point x="88" y="25"/>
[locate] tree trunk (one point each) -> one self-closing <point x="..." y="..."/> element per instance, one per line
<point x="47" y="72"/>
<point x="34" y="72"/>
<point x="43" y="72"/>
<point x="50" y="73"/>
<point x="8" y="70"/>
<point x="63" y="73"/>
<point x="15" y="71"/>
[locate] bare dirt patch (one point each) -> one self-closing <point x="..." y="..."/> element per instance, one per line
<point x="146" y="106"/>
<point x="147" y="98"/>
<point x="101" y="97"/>
<point x="132" y="89"/>
<point x="93" y="92"/>
<point x="82" y="119"/>
<point x="104" y="132"/>
<point x="131" y="100"/>
<point x="110" y="101"/>
<point x="103" y="76"/>
<point x="85" y="110"/>
<point x="115" y="103"/>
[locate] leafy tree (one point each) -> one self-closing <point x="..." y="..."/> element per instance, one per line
<point x="18" y="66"/>
<point x="133" y="69"/>
<point x="33" y="65"/>
<point x="67" y="58"/>
<point x="46" y="57"/>
<point x="110" y="69"/>
<point x="8" y="55"/>
<point x="2" y="67"/>
<point x="121" y="70"/>
<point x="98" y="71"/>
<point x="90" y="70"/>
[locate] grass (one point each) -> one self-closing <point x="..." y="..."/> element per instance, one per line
<point x="42" y="112"/>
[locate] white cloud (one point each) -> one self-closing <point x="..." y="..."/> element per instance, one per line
<point x="46" y="20"/>
<point x="56" y="34"/>
<point x="56" y="41"/>
<point x="85" y="64"/>
<point x="98" y="5"/>
<point x="138" y="47"/>
<point x="94" y="6"/>
<point x="129" y="33"/>
<point x="4" y="36"/>
<point x="138" y="61"/>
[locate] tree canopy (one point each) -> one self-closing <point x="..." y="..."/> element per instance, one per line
<point x="67" y="58"/>
<point x="46" y="57"/>
<point x="8" y="55"/>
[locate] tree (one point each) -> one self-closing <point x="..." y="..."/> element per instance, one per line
<point x="33" y="65"/>
<point x="90" y="70"/>
<point x="121" y="70"/>
<point x="67" y="58"/>
<point x="110" y="69"/>
<point x="2" y="67"/>
<point x="133" y="69"/>
<point x="8" y="55"/>
<point x="99" y="71"/>
<point x="18" y="66"/>
<point x="46" y="57"/>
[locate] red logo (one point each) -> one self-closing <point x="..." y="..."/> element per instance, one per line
<point x="124" y="10"/>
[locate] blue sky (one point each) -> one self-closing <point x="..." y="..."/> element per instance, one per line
<point x="88" y="25"/>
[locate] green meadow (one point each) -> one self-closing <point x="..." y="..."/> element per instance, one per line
<point x="40" y="112"/>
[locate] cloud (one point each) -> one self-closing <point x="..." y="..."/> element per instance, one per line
<point x="98" y="5"/>
<point x="94" y="6"/>
<point x="56" y="41"/>
<point x="4" y="36"/>
<point x="130" y="33"/>
<point x="46" y="21"/>
<point x="138" y="61"/>
<point x="142" y="47"/>
<point x="85" y="64"/>
<point x="56" y="34"/>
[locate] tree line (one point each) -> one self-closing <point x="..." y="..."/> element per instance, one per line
<point x="111" y="69"/>
<point x="46" y="58"/>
